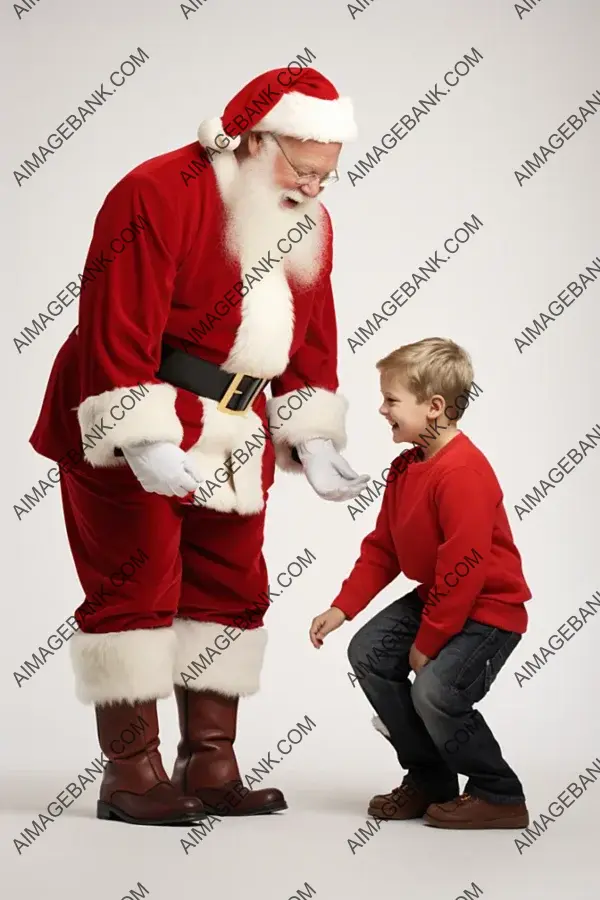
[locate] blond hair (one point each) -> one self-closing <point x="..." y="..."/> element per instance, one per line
<point x="431" y="366"/>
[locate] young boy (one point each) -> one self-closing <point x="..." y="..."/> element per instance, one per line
<point x="443" y="524"/>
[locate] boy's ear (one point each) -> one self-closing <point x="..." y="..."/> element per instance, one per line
<point x="437" y="405"/>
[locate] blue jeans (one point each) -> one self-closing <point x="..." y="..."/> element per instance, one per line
<point x="431" y="722"/>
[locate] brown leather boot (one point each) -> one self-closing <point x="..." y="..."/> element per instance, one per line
<point x="206" y="766"/>
<point x="404" y="802"/>
<point x="135" y="787"/>
<point x="471" y="812"/>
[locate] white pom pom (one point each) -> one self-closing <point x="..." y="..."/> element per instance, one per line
<point x="212" y="134"/>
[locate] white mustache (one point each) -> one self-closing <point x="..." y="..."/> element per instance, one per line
<point x="298" y="196"/>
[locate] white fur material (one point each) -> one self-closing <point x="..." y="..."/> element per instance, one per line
<point x="322" y="415"/>
<point x="233" y="665"/>
<point x="222" y="434"/>
<point x="311" y="119"/>
<point x="124" y="666"/>
<point x="379" y="726"/>
<point x="295" y="115"/>
<point x="264" y="337"/>
<point x="211" y="133"/>
<point x="153" y="418"/>
<point x="285" y="461"/>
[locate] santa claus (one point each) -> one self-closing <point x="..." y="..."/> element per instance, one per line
<point x="207" y="280"/>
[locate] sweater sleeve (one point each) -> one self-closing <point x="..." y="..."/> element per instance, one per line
<point x="311" y="375"/>
<point x="467" y="506"/>
<point x="376" y="567"/>
<point x="124" y="305"/>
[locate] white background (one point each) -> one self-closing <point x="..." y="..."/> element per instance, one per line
<point x="536" y="405"/>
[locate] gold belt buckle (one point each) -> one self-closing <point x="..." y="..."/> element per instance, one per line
<point x="233" y="389"/>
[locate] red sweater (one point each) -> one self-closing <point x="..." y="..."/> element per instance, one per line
<point x="442" y="523"/>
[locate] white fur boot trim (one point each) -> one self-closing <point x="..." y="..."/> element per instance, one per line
<point x="123" y="666"/>
<point x="218" y="658"/>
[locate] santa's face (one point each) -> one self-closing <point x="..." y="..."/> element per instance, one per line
<point x="298" y="161"/>
<point x="266" y="202"/>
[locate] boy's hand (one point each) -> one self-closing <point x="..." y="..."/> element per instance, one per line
<point x="417" y="660"/>
<point x="325" y="623"/>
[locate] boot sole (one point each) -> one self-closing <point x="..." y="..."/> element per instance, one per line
<point x="379" y="814"/>
<point x="263" y="811"/>
<point x="111" y="813"/>
<point x="514" y="822"/>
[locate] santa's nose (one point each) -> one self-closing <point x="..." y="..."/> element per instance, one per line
<point x="312" y="189"/>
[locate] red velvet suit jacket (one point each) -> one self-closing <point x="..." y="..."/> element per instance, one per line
<point x="157" y="269"/>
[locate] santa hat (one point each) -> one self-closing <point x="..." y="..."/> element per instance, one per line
<point x="303" y="105"/>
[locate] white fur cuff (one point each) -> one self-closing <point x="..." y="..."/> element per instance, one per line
<point x="123" y="666"/>
<point x="219" y="658"/>
<point x="126" y="416"/>
<point x="322" y="414"/>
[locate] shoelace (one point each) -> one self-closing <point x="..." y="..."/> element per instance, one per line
<point x="396" y="791"/>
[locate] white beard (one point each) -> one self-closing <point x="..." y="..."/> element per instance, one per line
<point x="257" y="221"/>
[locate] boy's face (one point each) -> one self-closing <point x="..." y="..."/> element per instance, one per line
<point x="407" y="417"/>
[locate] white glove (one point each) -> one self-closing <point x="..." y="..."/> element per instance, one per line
<point x="162" y="468"/>
<point x="328" y="473"/>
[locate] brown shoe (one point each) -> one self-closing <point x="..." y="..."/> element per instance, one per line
<point x="135" y="787"/>
<point x="404" y="802"/>
<point x="206" y="766"/>
<point x="474" y="812"/>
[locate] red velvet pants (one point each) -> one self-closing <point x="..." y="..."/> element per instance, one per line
<point x="174" y="593"/>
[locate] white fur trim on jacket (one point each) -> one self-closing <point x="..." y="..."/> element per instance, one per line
<point x="214" y="659"/>
<point x="241" y="441"/>
<point x="106" y="424"/>
<point x="262" y="342"/>
<point x="311" y="119"/>
<point x="123" y="666"/>
<point x="322" y="414"/>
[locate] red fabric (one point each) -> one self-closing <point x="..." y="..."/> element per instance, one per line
<point x="436" y="514"/>
<point x="198" y="563"/>
<point x="163" y="284"/>
<point x="318" y="352"/>
<point x="306" y="81"/>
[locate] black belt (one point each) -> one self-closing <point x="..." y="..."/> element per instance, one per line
<point x="234" y="394"/>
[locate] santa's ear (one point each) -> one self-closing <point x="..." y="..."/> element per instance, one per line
<point x="253" y="142"/>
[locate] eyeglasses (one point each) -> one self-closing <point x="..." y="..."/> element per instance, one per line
<point x="312" y="177"/>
